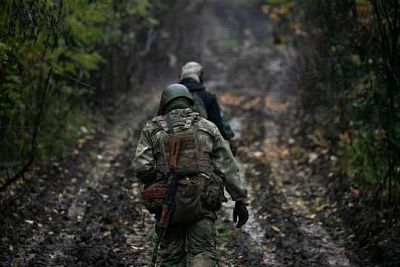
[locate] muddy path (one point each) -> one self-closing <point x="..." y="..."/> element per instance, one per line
<point x="84" y="211"/>
<point x="251" y="76"/>
<point x="286" y="199"/>
<point x="79" y="211"/>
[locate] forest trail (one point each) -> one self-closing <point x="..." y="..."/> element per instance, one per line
<point x="86" y="212"/>
<point x="285" y="198"/>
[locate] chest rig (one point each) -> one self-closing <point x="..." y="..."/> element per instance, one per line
<point x="192" y="159"/>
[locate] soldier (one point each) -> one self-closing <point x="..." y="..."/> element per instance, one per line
<point x="204" y="166"/>
<point x="205" y="102"/>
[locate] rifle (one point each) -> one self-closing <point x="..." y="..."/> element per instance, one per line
<point x="168" y="204"/>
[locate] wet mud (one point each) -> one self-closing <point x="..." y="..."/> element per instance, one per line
<point x="284" y="229"/>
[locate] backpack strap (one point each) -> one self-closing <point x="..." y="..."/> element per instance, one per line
<point x="169" y="123"/>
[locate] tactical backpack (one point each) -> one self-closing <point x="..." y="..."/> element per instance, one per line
<point x="200" y="191"/>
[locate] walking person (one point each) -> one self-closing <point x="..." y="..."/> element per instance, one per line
<point x="179" y="145"/>
<point x="205" y="102"/>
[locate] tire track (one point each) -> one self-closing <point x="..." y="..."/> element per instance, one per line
<point x="283" y="225"/>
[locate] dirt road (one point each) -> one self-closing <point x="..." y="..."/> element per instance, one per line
<point x="84" y="211"/>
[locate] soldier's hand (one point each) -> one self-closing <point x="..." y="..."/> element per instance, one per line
<point x="240" y="213"/>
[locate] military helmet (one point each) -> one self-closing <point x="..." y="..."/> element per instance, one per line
<point x="192" y="70"/>
<point x="174" y="91"/>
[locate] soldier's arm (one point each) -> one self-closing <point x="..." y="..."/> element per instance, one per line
<point x="143" y="162"/>
<point x="214" y="115"/>
<point x="224" y="163"/>
<point x="227" y="127"/>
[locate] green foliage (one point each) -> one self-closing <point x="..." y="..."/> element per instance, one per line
<point x="359" y="44"/>
<point x="285" y="14"/>
<point x="363" y="160"/>
<point x="47" y="50"/>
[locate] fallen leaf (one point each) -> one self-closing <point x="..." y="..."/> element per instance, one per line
<point x="311" y="216"/>
<point x="312" y="157"/>
<point x="275" y="229"/>
<point x="355" y="192"/>
<point x="258" y="154"/>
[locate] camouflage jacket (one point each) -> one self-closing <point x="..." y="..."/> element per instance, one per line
<point x="210" y="139"/>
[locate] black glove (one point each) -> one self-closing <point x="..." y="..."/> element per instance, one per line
<point x="240" y="211"/>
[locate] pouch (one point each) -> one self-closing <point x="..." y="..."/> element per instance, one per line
<point x="213" y="195"/>
<point x="152" y="197"/>
<point x="188" y="208"/>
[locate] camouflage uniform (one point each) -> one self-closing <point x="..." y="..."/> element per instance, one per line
<point x="190" y="244"/>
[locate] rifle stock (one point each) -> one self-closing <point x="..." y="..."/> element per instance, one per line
<point x="164" y="216"/>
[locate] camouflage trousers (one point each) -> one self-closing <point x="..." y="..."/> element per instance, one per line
<point x="190" y="245"/>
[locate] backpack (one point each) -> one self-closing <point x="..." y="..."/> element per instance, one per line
<point x="200" y="191"/>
